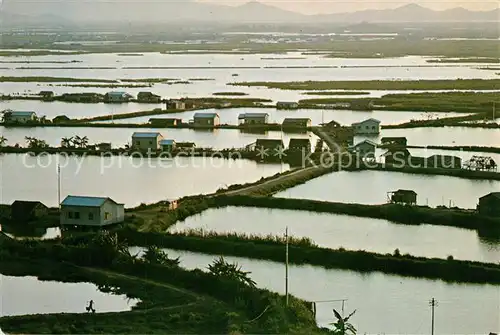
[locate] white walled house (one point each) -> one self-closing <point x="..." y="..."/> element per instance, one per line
<point x="145" y="141"/>
<point x="11" y="116"/>
<point x="367" y="127"/>
<point x="91" y="211"/>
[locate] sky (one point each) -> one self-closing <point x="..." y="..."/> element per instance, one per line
<point x="336" y="6"/>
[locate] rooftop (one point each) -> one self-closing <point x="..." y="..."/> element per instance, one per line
<point x="84" y="201"/>
<point x="20" y="113"/>
<point x="367" y="120"/>
<point x="167" y="142"/>
<point x="244" y="115"/>
<point x="492" y="194"/>
<point x="404" y="191"/>
<point x="368" y="142"/>
<point x="117" y="93"/>
<point x="145" y="135"/>
<point x="205" y="115"/>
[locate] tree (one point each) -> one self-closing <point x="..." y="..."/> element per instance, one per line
<point x="342" y="325"/>
<point x="108" y="248"/>
<point x="233" y="271"/>
<point x="155" y="255"/>
<point x="3" y="140"/>
<point x="6" y="115"/>
<point x="67" y="142"/>
<point x="34" y="143"/>
<point x="84" y="142"/>
<point x="77" y="141"/>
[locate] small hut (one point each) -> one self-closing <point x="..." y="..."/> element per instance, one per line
<point x="406" y="197"/>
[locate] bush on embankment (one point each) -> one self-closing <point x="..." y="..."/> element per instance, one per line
<point x="391" y="212"/>
<point x="361" y="261"/>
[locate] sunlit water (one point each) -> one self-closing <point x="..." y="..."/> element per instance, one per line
<point x="384" y="304"/>
<point x="350" y="232"/>
<point x="28" y="295"/>
<point x="131" y="181"/>
<point x="371" y="187"/>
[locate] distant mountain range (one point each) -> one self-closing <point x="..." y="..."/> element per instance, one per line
<point x="174" y="11"/>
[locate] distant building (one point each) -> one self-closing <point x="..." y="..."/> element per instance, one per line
<point x="332" y="125"/>
<point x="398" y="141"/>
<point x="10" y="116"/>
<point x="46" y="95"/>
<point x="103" y="146"/>
<point x="300" y="145"/>
<point x="91" y="211"/>
<point x="367" y="127"/>
<point x="397" y="156"/>
<point x="148" y="97"/>
<point x="206" y="119"/>
<point x="167" y="145"/>
<point x="444" y="162"/>
<point x="27" y="211"/>
<point x="296" y="123"/>
<point x="145" y="141"/>
<point x="117" y="97"/>
<point x="365" y="148"/>
<point x="224" y="104"/>
<point x="287" y="105"/>
<point x="270" y="146"/>
<point x="185" y="146"/>
<point x="61" y="119"/>
<point x="176" y="104"/>
<point x="489" y="204"/>
<point x="407" y="197"/>
<point x="253" y="118"/>
<point x="481" y="163"/>
<point x="165" y="122"/>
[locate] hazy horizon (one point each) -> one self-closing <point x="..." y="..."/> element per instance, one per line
<point x="339" y="6"/>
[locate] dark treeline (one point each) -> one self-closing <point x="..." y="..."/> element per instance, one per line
<point x="361" y="261"/>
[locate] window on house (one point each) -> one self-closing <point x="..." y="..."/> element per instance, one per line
<point x="70" y="215"/>
<point x="138" y="142"/>
<point x="91" y="216"/>
<point x="77" y="215"/>
<point x="150" y="142"/>
<point x="107" y="216"/>
<point x="373" y="127"/>
<point x="367" y="127"/>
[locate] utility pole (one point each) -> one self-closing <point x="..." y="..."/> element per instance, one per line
<point x="433" y="303"/>
<point x="59" y="185"/>
<point x="286" y="265"/>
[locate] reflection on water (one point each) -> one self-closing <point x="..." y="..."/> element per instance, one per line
<point x="371" y="187"/>
<point x="350" y="232"/>
<point x="385" y="304"/>
<point x="131" y="181"/>
<point x="23" y="231"/>
<point x="28" y="295"/>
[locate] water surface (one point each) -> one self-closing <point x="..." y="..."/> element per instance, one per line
<point x="385" y="304"/>
<point x="350" y="232"/>
<point x="28" y="295"/>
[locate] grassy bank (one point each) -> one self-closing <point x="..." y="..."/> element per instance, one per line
<point x="459" y="173"/>
<point x="411" y="215"/>
<point x="464" y="60"/>
<point x="337" y="93"/>
<point x="360" y="261"/>
<point x="230" y="93"/>
<point x="459" y="84"/>
<point x="172" y="299"/>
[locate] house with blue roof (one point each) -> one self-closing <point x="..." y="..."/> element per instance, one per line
<point x="11" y="116"/>
<point x="91" y="211"/>
<point x="167" y="145"/>
<point x="206" y="119"/>
<point x="146" y="140"/>
<point x="253" y="118"/>
<point x="117" y="97"/>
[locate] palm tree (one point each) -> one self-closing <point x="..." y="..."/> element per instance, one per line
<point x="84" y="142"/>
<point x="6" y="114"/>
<point x="342" y="325"/>
<point x="155" y="255"/>
<point x="66" y="142"/>
<point x="233" y="271"/>
<point x="3" y="140"/>
<point x="30" y="141"/>
<point x="77" y="141"/>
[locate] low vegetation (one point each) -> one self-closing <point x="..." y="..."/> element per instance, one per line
<point x="222" y="300"/>
<point x="336" y="93"/>
<point x="440" y="84"/>
<point x="361" y="261"/>
<point x="230" y="93"/>
<point x="464" y="60"/>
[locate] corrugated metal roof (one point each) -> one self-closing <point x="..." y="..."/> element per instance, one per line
<point x="167" y="142"/>
<point x="21" y="113"/>
<point x="367" y="120"/>
<point x="145" y="135"/>
<point x="117" y="93"/>
<point x="205" y="115"/>
<point x="84" y="201"/>
<point x="242" y="116"/>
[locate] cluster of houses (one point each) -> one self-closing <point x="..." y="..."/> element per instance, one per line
<point x="154" y="141"/>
